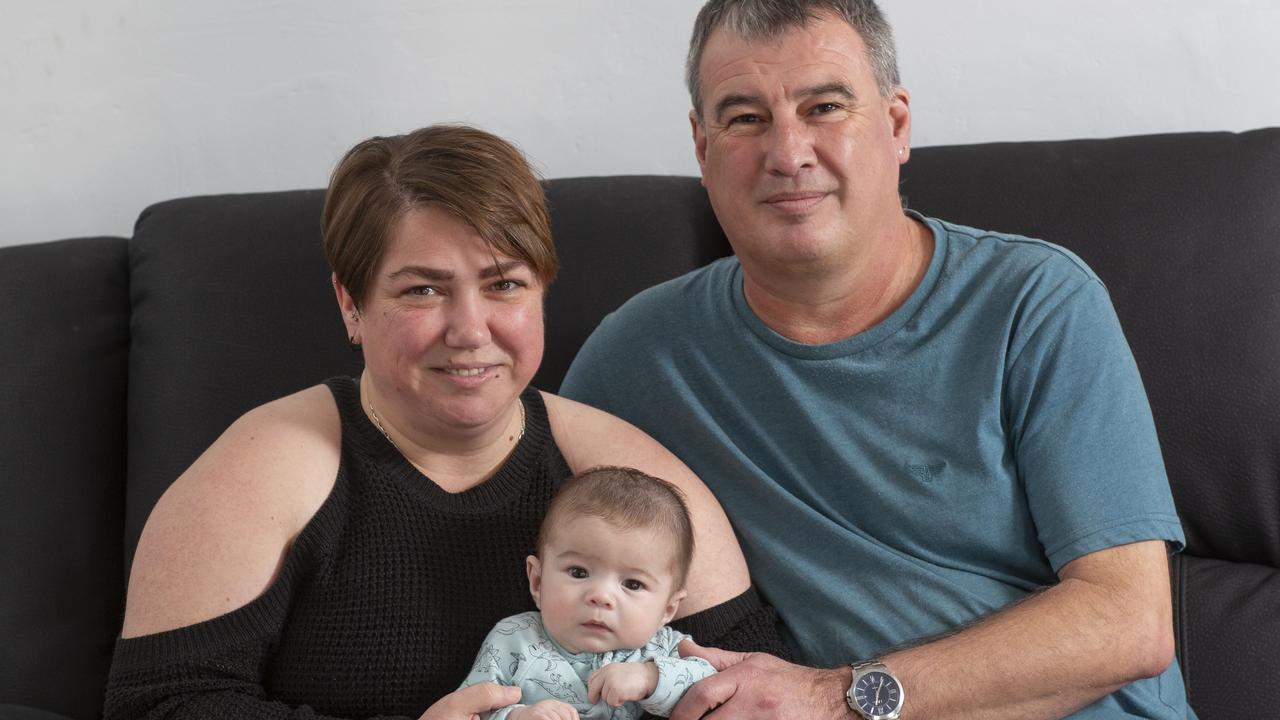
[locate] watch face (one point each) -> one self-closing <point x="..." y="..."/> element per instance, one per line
<point x="877" y="694"/>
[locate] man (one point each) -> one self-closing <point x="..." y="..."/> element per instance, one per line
<point x="933" y="440"/>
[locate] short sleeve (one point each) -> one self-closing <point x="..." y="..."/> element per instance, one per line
<point x="1083" y="438"/>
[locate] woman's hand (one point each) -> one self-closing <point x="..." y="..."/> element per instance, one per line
<point x="545" y="710"/>
<point x="622" y="682"/>
<point x="470" y="701"/>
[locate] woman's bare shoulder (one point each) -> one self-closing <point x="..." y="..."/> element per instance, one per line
<point x="217" y="537"/>
<point x="588" y="436"/>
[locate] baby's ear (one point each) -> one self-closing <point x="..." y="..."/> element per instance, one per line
<point x="533" y="566"/>
<point x="672" y="605"/>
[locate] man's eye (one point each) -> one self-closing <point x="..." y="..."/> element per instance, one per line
<point x="745" y="119"/>
<point x="823" y="108"/>
<point x="633" y="585"/>
<point x="577" y="573"/>
<point x="423" y="290"/>
<point x="506" y="285"/>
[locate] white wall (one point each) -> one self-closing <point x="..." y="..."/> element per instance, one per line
<point x="110" y="105"/>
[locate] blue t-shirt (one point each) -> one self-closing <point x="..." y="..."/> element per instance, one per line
<point x="919" y="475"/>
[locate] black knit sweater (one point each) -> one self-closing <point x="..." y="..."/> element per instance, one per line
<point x="384" y="598"/>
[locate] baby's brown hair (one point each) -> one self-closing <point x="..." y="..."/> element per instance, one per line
<point x="627" y="498"/>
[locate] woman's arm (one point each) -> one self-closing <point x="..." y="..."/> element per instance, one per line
<point x="202" y="613"/>
<point x="217" y="565"/>
<point x="218" y="536"/>
<point x="588" y="437"/>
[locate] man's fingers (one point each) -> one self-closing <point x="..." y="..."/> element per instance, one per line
<point x="705" y="695"/>
<point x="719" y="659"/>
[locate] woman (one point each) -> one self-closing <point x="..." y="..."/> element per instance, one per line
<point x="343" y="551"/>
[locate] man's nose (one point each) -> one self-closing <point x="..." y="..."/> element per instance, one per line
<point x="468" y="323"/>
<point x="790" y="147"/>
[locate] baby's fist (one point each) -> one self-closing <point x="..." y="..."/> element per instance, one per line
<point x="623" y="682"/>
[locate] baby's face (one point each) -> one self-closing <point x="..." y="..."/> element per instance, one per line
<point x="603" y="588"/>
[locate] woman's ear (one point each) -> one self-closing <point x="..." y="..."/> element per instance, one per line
<point x="534" y="567"/>
<point x="350" y="313"/>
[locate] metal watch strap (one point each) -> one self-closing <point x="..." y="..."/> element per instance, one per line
<point x="855" y="670"/>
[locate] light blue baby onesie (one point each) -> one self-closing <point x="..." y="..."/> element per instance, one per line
<point x="519" y="652"/>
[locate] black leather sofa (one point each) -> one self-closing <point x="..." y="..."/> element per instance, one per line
<point x="123" y="358"/>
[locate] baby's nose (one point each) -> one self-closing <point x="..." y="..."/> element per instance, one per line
<point x="601" y="597"/>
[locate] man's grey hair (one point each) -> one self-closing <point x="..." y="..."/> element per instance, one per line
<point x="767" y="19"/>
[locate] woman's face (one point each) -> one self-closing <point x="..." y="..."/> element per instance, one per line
<point x="452" y="331"/>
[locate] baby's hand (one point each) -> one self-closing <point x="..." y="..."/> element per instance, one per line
<point x="545" y="710"/>
<point x="622" y="682"/>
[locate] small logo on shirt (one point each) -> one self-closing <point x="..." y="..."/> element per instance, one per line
<point x="927" y="473"/>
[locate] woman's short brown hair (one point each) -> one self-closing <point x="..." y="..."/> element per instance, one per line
<point x="483" y="179"/>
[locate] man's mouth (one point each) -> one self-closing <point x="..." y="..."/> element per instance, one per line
<point x="796" y="201"/>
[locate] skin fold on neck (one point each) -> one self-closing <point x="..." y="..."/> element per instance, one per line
<point x="815" y="306"/>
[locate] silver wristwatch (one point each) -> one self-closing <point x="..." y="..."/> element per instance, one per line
<point x="875" y="693"/>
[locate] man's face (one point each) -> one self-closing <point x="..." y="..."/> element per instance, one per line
<point x="799" y="150"/>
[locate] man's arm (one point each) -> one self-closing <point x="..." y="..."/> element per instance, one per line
<point x="1107" y="623"/>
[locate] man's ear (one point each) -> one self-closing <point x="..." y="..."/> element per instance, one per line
<point x="699" y="142"/>
<point x="900" y="119"/>
<point x="673" y="605"/>
<point x="533" y="566"/>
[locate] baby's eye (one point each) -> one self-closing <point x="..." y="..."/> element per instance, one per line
<point x="577" y="573"/>
<point x="633" y="585"/>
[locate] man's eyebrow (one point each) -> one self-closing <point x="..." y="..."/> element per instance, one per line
<point x="730" y="101"/>
<point x="831" y="88"/>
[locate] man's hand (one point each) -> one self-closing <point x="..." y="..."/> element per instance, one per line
<point x="545" y="710"/>
<point x="622" y="682"/>
<point x="756" y="685"/>
<point x="470" y="701"/>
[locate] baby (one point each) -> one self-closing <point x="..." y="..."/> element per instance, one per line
<point x="613" y="554"/>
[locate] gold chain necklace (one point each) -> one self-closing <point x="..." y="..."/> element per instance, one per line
<point x="377" y="422"/>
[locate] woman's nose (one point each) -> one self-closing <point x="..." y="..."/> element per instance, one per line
<point x="468" y="324"/>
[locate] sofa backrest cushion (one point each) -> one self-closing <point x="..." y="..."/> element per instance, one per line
<point x="617" y="236"/>
<point x="62" y="396"/>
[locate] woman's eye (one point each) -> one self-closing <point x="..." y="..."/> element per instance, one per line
<point x="577" y="573"/>
<point x="633" y="585"/>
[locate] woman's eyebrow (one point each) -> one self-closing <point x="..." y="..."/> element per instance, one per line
<point x="422" y="271"/>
